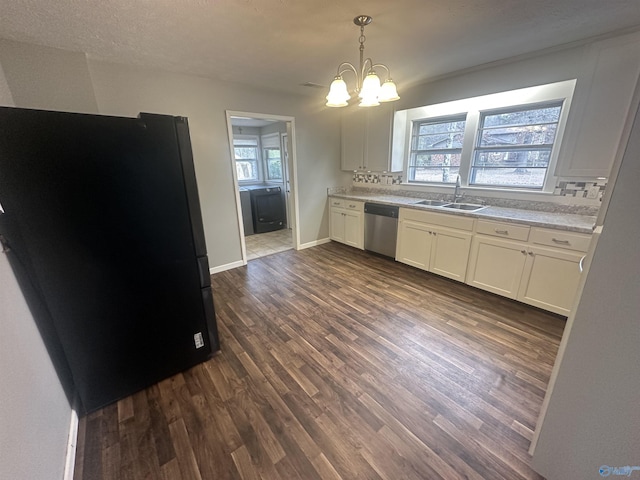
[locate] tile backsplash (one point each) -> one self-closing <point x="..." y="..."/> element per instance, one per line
<point x="589" y="189"/>
<point x="377" y="178"/>
<point x="592" y="189"/>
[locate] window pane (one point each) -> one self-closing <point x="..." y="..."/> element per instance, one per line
<point x="435" y="153"/>
<point x="512" y="158"/>
<point x="434" y="174"/>
<point x="246" y="152"/>
<point x="509" y="177"/>
<point x="439" y="141"/>
<point x="534" y="116"/>
<point x="514" y="148"/>
<point x="274" y="163"/>
<point x="246" y="163"/>
<point x="426" y="128"/>
<point x="523" y="135"/>
<point x="435" y="159"/>
<point x="247" y="170"/>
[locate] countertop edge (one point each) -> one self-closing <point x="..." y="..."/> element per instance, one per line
<point x="558" y="221"/>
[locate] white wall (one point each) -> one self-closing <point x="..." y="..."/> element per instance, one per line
<point x="593" y="414"/>
<point x="606" y="71"/>
<point x="126" y="90"/>
<point x="34" y="412"/>
<point x="47" y="78"/>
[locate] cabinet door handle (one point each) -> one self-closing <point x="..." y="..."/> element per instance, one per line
<point x="561" y="242"/>
<point x="524" y="252"/>
<point x="531" y="253"/>
<point x="502" y="232"/>
<point x="581" y="264"/>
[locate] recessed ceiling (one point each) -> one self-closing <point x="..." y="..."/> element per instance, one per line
<point x="282" y="44"/>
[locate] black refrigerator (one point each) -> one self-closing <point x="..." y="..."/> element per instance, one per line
<point x="101" y="223"/>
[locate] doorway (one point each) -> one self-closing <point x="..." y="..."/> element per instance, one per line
<point x="265" y="179"/>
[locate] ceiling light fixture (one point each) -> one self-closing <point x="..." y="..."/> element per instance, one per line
<point x="368" y="87"/>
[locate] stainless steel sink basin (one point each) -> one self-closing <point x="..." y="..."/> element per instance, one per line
<point x="464" y="206"/>
<point x="433" y="203"/>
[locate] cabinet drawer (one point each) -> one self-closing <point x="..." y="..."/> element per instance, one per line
<point x="560" y="239"/>
<point x="348" y="204"/>
<point x="443" y="219"/>
<point x="503" y="230"/>
<point x="353" y="205"/>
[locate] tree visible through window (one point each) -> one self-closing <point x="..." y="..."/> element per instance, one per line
<point x="514" y="147"/>
<point x="274" y="163"/>
<point x="246" y="155"/>
<point x="436" y="147"/>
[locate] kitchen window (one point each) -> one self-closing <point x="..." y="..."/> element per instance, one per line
<point x="508" y="140"/>
<point x="513" y="147"/>
<point x="436" y="148"/>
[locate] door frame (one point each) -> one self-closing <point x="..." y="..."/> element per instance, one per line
<point x="292" y="167"/>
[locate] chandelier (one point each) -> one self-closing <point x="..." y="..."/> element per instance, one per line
<point x="368" y="86"/>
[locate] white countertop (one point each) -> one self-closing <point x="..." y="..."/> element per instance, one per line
<point x="560" y="221"/>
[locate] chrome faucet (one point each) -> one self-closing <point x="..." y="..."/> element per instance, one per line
<point x="456" y="193"/>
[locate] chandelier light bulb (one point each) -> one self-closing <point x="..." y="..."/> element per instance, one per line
<point x="370" y="86"/>
<point x="338" y="93"/>
<point x="388" y="92"/>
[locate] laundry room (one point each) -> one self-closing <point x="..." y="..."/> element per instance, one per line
<point x="262" y="176"/>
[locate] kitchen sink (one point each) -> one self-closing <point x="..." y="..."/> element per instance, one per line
<point x="433" y="203"/>
<point x="463" y="206"/>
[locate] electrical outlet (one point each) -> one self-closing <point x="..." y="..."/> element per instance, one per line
<point x="198" y="340"/>
<point x="593" y="191"/>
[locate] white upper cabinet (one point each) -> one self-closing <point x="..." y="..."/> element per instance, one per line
<point x="366" y="138"/>
<point x="599" y="108"/>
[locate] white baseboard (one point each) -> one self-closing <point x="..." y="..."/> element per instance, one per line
<point x="72" y="444"/>
<point x="239" y="263"/>
<point x="228" y="266"/>
<point x="315" y="243"/>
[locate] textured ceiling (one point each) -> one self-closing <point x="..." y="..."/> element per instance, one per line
<point x="285" y="43"/>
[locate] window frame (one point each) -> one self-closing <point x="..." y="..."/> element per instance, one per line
<point x="237" y="139"/>
<point x="472" y="108"/>
<point x="272" y="141"/>
<point x="415" y="151"/>
<point x="549" y="147"/>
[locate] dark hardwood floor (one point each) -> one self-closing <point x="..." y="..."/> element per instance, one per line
<point x="338" y="364"/>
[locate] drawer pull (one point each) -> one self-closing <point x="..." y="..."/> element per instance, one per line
<point x="581" y="265"/>
<point x="352" y="206"/>
<point x="502" y="232"/>
<point x="561" y="242"/>
<point x="336" y="203"/>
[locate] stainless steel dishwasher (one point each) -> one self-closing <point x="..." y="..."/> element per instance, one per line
<point x="380" y="228"/>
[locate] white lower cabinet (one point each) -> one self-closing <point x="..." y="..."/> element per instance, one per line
<point x="346" y="223"/>
<point x="543" y="277"/>
<point x="550" y="279"/>
<point x="537" y="266"/>
<point x="430" y="246"/>
<point x="496" y="265"/>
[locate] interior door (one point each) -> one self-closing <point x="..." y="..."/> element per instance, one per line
<point x="284" y="141"/>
